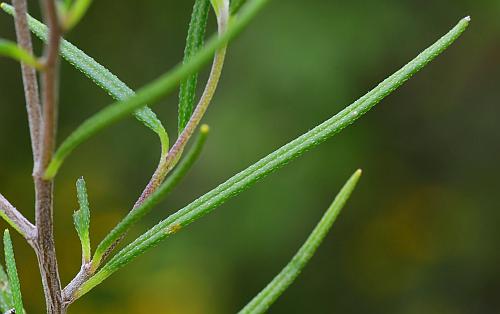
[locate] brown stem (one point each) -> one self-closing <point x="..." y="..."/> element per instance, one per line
<point x="30" y="82"/>
<point x="45" y="247"/>
<point x="42" y="131"/>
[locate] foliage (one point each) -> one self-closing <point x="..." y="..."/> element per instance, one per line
<point x="174" y="164"/>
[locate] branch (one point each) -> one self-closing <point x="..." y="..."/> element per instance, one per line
<point x="116" y="235"/>
<point x="31" y="93"/>
<point x="17" y="221"/>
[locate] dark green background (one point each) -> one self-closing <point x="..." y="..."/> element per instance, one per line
<point x="421" y="232"/>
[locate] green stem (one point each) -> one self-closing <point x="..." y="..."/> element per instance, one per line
<point x="174" y="154"/>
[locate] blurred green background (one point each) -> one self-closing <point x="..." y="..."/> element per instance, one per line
<point x="420" y="234"/>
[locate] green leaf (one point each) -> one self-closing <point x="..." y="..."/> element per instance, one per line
<point x="81" y="218"/>
<point x="218" y="4"/>
<point x="194" y="42"/>
<point x="137" y="213"/>
<point x="241" y="181"/>
<point x="285" y="278"/>
<point x="100" y="76"/>
<point x="12" y="50"/>
<point x="10" y="263"/>
<point x="152" y="92"/>
<point x="6" y="302"/>
<point x="74" y="12"/>
<point x="236" y="5"/>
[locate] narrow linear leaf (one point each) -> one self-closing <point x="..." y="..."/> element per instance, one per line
<point x="81" y="218"/>
<point x="194" y="43"/>
<point x="241" y="181"/>
<point x="100" y="76"/>
<point x="12" y="50"/>
<point x="10" y="263"/>
<point x="152" y="92"/>
<point x="137" y="213"/>
<point x="6" y="302"/>
<point x="285" y="278"/>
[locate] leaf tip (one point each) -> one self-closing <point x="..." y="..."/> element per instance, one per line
<point x="465" y="22"/>
<point x="204" y="128"/>
<point x="355" y="176"/>
<point x="353" y="180"/>
<point x="80" y="181"/>
<point x="7" y="8"/>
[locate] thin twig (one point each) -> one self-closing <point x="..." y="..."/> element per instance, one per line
<point x="31" y="93"/>
<point x="174" y="154"/>
<point x="17" y="220"/>
<point x="87" y="270"/>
